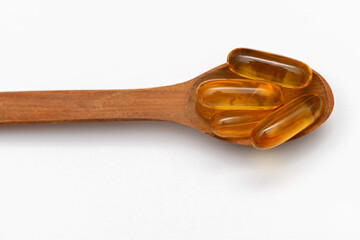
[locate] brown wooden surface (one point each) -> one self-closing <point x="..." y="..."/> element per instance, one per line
<point x="161" y="103"/>
<point x="175" y="103"/>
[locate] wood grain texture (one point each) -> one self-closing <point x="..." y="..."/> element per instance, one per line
<point x="161" y="103"/>
<point x="176" y="103"/>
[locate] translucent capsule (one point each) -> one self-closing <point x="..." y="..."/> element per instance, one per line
<point x="264" y="66"/>
<point x="239" y="94"/>
<point x="236" y="124"/>
<point x="287" y="121"/>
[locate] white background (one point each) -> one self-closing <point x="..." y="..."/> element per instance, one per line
<point x="159" y="180"/>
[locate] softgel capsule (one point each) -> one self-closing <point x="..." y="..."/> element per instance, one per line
<point x="263" y="66"/>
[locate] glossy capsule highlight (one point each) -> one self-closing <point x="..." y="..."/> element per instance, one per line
<point x="287" y="121"/>
<point x="263" y="66"/>
<point x="238" y="94"/>
<point x="236" y="124"/>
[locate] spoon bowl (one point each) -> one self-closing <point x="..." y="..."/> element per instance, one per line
<point x="317" y="86"/>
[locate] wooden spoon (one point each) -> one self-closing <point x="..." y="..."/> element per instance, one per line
<point x="176" y="103"/>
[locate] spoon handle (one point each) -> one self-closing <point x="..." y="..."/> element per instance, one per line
<point x="161" y="103"/>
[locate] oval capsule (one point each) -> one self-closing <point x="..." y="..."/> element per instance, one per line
<point x="265" y="66"/>
<point x="236" y="124"/>
<point x="239" y="94"/>
<point x="287" y="121"/>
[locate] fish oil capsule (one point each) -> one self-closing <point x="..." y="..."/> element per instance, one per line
<point x="239" y="94"/>
<point x="286" y="121"/>
<point x="236" y="124"/>
<point x="265" y="66"/>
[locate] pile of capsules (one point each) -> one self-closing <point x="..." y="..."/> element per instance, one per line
<point x="253" y="107"/>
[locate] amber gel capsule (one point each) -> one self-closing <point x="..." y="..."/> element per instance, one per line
<point x="236" y="124"/>
<point x="286" y="121"/>
<point x="264" y="66"/>
<point x="238" y="94"/>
